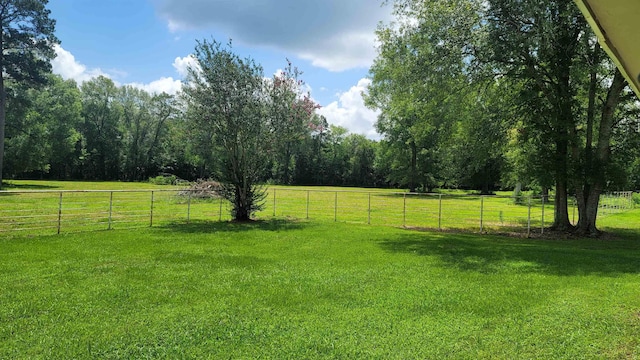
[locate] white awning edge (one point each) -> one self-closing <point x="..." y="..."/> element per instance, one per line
<point x="608" y="44"/>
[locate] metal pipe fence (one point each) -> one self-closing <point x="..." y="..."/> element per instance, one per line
<point x="56" y="212"/>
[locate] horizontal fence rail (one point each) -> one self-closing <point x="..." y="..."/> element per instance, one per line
<point x="56" y="212"/>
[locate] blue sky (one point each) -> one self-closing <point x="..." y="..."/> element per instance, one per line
<point x="146" y="43"/>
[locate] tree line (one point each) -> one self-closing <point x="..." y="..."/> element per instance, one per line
<point x="100" y="131"/>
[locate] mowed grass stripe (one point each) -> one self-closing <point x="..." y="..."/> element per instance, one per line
<point x="299" y="289"/>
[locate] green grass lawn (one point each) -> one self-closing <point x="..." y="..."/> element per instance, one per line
<point x="78" y="206"/>
<point x="313" y="289"/>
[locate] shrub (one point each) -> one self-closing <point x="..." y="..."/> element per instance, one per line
<point x="164" y="180"/>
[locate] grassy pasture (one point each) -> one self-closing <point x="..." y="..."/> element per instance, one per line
<point x="318" y="289"/>
<point x="132" y="205"/>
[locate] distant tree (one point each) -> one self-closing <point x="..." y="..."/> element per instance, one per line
<point x="418" y="78"/>
<point x="25" y="135"/>
<point x="26" y="45"/>
<point x="336" y="156"/>
<point x="102" y="130"/>
<point x="144" y="124"/>
<point x="478" y="143"/>
<point x="42" y="136"/>
<point x="226" y="97"/>
<point x="362" y="155"/>
<point x="179" y="148"/>
<point x="290" y="114"/>
<point x="311" y="161"/>
<point x="61" y="107"/>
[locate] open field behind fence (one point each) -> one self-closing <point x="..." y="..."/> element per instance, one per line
<point x="51" y="212"/>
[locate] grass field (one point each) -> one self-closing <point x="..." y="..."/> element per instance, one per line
<point x="318" y="289"/>
<point x="41" y="207"/>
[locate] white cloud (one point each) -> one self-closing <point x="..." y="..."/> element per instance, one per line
<point x="332" y="34"/>
<point x="343" y="52"/>
<point x="350" y="112"/>
<point x="165" y="84"/>
<point x="182" y="64"/>
<point x="65" y="65"/>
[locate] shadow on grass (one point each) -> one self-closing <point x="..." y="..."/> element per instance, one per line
<point x="204" y="227"/>
<point x="488" y="254"/>
<point x="12" y="186"/>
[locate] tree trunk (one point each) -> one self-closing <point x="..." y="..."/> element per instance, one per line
<point x="593" y="182"/>
<point x="589" y="213"/>
<point x="242" y="212"/>
<point x="485" y="187"/>
<point x="562" y="95"/>
<point x="561" y="211"/>
<point x="413" y="170"/>
<point x="485" y="173"/>
<point x="285" y="163"/>
<point x="3" y="103"/>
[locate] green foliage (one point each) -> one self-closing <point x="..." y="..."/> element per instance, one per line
<point x="164" y="180"/>
<point x="290" y="113"/>
<point x="42" y="131"/>
<point x="549" y="47"/>
<point x="145" y="121"/>
<point x="419" y="82"/>
<point x="27" y="47"/>
<point x="101" y="129"/>
<point x="97" y="132"/>
<point x="225" y="95"/>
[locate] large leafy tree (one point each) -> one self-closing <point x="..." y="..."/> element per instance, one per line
<point x="548" y="46"/>
<point x="290" y="114"/>
<point x="42" y="137"/>
<point x="61" y="108"/>
<point x="144" y="124"/>
<point x="26" y="45"/>
<point x="538" y="42"/>
<point x="25" y="134"/>
<point x="102" y="130"/>
<point x="591" y="149"/>
<point x="421" y="68"/>
<point x="226" y="96"/>
<point x="477" y="146"/>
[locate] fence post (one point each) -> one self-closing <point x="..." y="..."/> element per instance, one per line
<point x="110" y="209"/>
<point x="542" y="226"/>
<point x="151" y="215"/>
<point x="404" y="211"/>
<point x="369" y="211"/>
<point x="573" y="221"/>
<point x="529" y="218"/>
<point x="307" y="204"/>
<point x="440" y="212"/>
<point x="274" y="202"/>
<point x="189" y="207"/>
<point x="481" y="212"/>
<point x="220" y="212"/>
<point x="59" y="212"/>
<point x="335" y="208"/>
